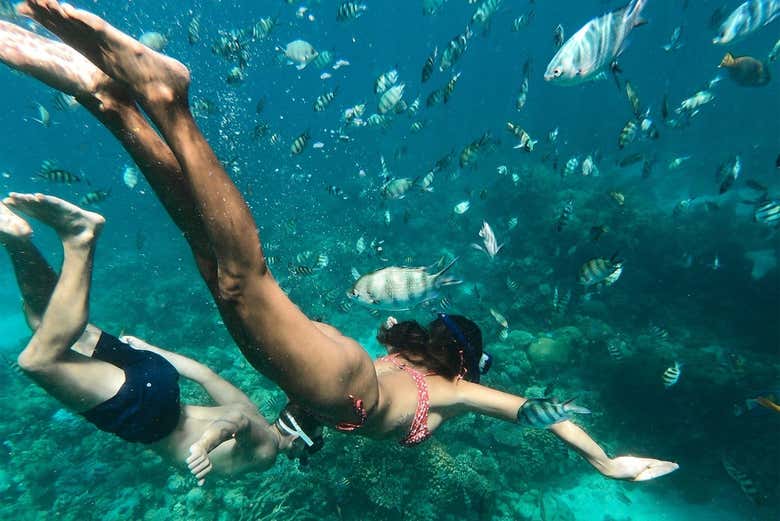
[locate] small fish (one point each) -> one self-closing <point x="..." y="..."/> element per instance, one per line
<point x="600" y="272"/>
<point x="672" y="375"/>
<point x="154" y="40"/>
<point x="299" y="53"/>
<point x="491" y="246"/>
<point x="235" y="75"/>
<point x="323" y="100"/>
<point x="425" y="183"/>
<point x="567" y="212"/>
<point x="647" y="167"/>
<point x="350" y="11"/>
<point x="615" y="348"/>
<point x="193" y="30"/>
<point x="44" y="118"/>
<point x="94" y="197"/>
<point x="397" y="188"/>
<point x="522" y="20"/>
<point x="262" y="29"/>
<point x="65" y="102"/>
<point x="51" y="172"/>
<point x="471" y="152"/>
<point x="462" y="207"/>
<point x="628" y="134"/>
<point x="558" y="37"/>
<point x="450" y="88"/>
<point x="430" y="63"/>
<point x="512" y="223"/>
<point x="674" y="41"/>
<point x="630" y="159"/>
<point x="589" y="167"/>
<point x="323" y="59"/>
<point x="512" y="283"/>
<point x="435" y="98"/>
<point x="337" y="192"/>
<point x="745" y="483"/>
<point x="542" y="413"/>
<point x="399" y="288"/>
<point x="526" y="143"/>
<point x="774" y="53"/>
<point x="746" y="70"/>
<point x="746" y="19"/>
<point x="767" y="213"/>
<point x="455" y="49"/>
<point x="633" y="99"/>
<point x="299" y="144"/>
<point x="300" y="271"/>
<point x="385" y="80"/>
<point x="130" y="176"/>
<point x="618" y="197"/>
<point x="560" y="302"/>
<point x="677" y="162"/>
<point x="390" y="98"/>
<point x="417" y="127"/>
<point x="502" y="321"/>
<point x="728" y="172"/>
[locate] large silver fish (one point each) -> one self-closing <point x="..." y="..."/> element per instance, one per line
<point x="747" y="18"/>
<point x="592" y="50"/>
<point x="399" y="288"/>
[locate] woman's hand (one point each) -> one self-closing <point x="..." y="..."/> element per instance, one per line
<point x="638" y="469"/>
<point x="134" y="342"/>
<point x="199" y="463"/>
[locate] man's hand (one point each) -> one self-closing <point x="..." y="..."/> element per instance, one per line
<point x="199" y="463"/>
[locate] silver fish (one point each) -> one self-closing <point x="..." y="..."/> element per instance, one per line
<point x="593" y="49"/>
<point x="399" y="288"/>
<point x="491" y="246"/>
<point x="390" y="98"/>
<point x="746" y="19"/>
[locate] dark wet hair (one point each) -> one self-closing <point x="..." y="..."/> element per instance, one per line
<point x="438" y="348"/>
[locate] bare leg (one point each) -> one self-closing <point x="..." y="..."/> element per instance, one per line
<point x="62" y="68"/>
<point x="274" y="335"/>
<point x="77" y="381"/>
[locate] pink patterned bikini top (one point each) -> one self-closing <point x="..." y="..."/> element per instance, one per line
<point x="418" y="431"/>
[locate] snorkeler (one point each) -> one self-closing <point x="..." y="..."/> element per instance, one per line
<point x="123" y="386"/>
<point x="430" y="376"/>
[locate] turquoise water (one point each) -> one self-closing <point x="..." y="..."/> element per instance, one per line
<point x="721" y="324"/>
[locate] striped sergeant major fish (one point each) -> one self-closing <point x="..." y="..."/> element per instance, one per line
<point x="767" y="213"/>
<point x="672" y="375"/>
<point x="593" y="49"/>
<point x="743" y="480"/>
<point x="542" y="413"/>
<point x="400" y="288"/>
<point x="51" y="172"/>
<point x="746" y="19"/>
<point x="601" y="272"/>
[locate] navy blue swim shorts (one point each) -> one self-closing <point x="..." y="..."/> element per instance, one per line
<point x="146" y="408"/>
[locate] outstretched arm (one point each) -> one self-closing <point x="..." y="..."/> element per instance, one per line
<point x="484" y="400"/>
<point x="220" y="390"/>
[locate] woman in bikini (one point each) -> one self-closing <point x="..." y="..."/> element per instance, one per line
<point x="327" y="375"/>
<point x="123" y="386"/>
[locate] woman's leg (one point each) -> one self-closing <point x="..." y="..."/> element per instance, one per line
<point x="77" y="381"/>
<point x="62" y="68"/>
<point x="274" y="335"/>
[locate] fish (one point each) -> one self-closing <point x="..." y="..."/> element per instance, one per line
<point x="299" y="143"/>
<point x="435" y="98"/>
<point x="425" y="183"/>
<point x="337" y="191"/>
<point x="560" y="301"/>
<point x="744" y="481"/>
<point x="589" y="167"/>
<point x="746" y="70"/>
<point x="491" y="246"/>
<point x="397" y="188"/>
<point x="502" y="321"/>
<point x="324" y="58"/>
<point x="558" y="36"/>
<point x="542" y="413"/>
<point x="299" y="53"/>
<point x="449" y="88"/>
<point x="674" y="40"/>
<point x="616" y="349"/>
<point x="130" y="176"/>
<point x="51" y="172"/>
<point x="300" y="270"/>
<point x="430" y="64"/>
<point x="597" y="231"/>
<point x="263" y="28"/>
<point x="417" y="127"/>
<point x="571" y="166"/>
<point x="774" y="53"/>
<point x="672" y="375"/>
<point x="390" y="98"/>
<point x="385" y="80"/>
<point x="471" y="152"/>
<point x="767" y="213"/>
<point x="633" y="99"/>
<point x="350" y="11"/>
<point x="400" y="288"/>
<point x="647" y="127"/>
<point x="522" y="95"/>
<point x="600" y="272"/>
<point x="44" y="118"/>
<point x="323" y="100"/>
<point x="235" y="75"/>
<point x="455" y="49"/>
<point x="485" y="12"/>
<point x="523" y="20"/>
<point x="65" y="102"/>
<point x="647" y="167"/>
<point x="462" y="207"/>
<point x="567" y="212"/>
<point x="526" y="143"/>
<point x="618" y="197"/>
<point x="728" y="172"/>
<point x="94" y="197"/>
<point x="746" y="19"/>
<point x="592" y="50"/>
<point x="154" y="40"/>
<point x="628" y="134"/>
<point x="677" y="162"/>
<point x="193" y="30"/>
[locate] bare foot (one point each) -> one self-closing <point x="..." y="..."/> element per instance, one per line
<point x="154" y="79"/>
<point x="75" y="226"/>
<point x="60" y="67"/>
<point x="12" y="226"/>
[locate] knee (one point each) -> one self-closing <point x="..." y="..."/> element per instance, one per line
<point x="231" y="284"/>
<point x="32" y="363"/>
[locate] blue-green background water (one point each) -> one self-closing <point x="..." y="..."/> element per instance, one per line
<point x="722" y="324"/>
